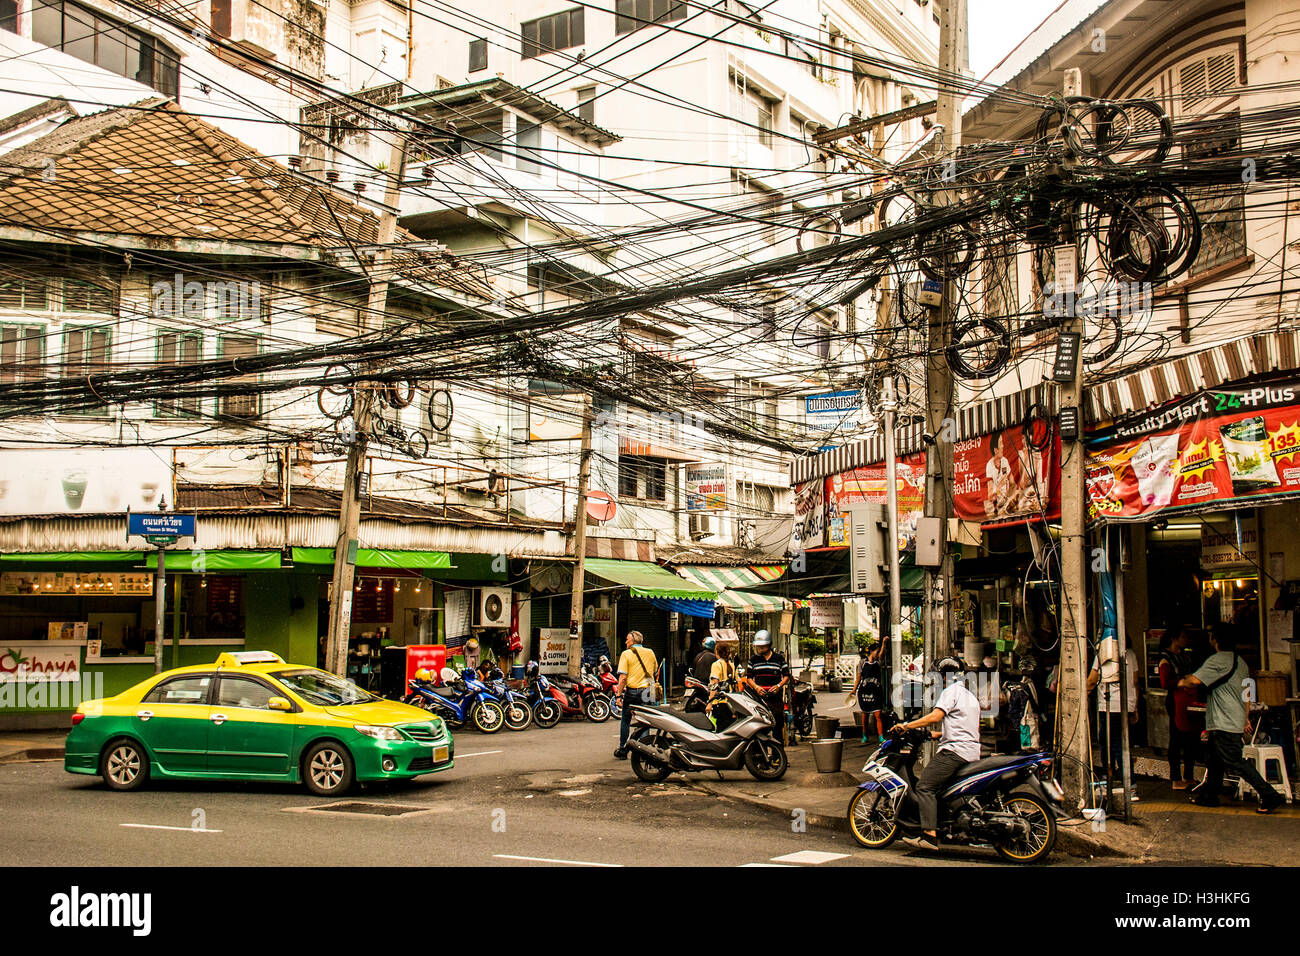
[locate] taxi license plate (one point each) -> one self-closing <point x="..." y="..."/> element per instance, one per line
<point x="440" y="754"/>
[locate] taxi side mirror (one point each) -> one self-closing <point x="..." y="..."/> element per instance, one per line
<point x="279" y="703"/>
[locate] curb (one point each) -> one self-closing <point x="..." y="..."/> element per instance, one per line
<point x="1068" y="840"/>
<point x="33" y="753"/>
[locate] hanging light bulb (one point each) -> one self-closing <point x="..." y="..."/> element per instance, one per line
<point x="1216" y="585"/>
<point x="203" y="581"/>
<point x="1240" y="583"/>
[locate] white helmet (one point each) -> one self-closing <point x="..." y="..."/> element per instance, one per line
<point x="762" y="638"/>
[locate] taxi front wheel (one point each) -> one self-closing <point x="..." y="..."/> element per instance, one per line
<point x="327" y="769"/>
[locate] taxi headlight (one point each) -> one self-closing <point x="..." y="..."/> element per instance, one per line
<point x="378" y="732"/>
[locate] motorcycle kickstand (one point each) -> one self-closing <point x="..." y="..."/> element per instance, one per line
<point x="719" y="773"/>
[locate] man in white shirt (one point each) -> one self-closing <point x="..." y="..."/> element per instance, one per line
<point x="959" y="744"/>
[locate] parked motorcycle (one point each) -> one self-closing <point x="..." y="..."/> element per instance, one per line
<point x="582" y="697"/>
<point x="518" y="712"/>
<point x="697" y="696"/>
<point x="537" y="692"/>
<point x="801" y="708"/>
<point x="663" y="741"/>
<point x="463" y="699"/>
<point x="609" y="684"/>
<point x="1009" y="802"/>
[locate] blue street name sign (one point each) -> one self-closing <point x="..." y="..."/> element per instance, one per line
<point x="145" y="523"/>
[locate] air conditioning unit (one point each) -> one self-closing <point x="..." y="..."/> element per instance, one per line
<point x="700" y="526"/>
<point x="493" y="607"/>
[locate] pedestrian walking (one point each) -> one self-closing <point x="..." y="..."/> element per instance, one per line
<point x="636" y="670"/>
<point x="1184" y="728"/>
<point x="1223" y="676"/>
<point x="869" y="689"/>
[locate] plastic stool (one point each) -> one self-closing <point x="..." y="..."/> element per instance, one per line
<point x="1262" y="755"/>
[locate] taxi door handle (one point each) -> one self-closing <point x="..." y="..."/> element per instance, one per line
<point x="219" y="719"/>
<point x="144" y="714"/>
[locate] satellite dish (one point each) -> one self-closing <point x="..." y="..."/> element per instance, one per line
<point x="601" y="506"/>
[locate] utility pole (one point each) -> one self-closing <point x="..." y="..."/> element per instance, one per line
<point x="580" y="545"/>
<point x="953" y="63"/>
<point x="345" y="546"/>
<point x="889" y="405"/>
<point x="1074" y="612"/>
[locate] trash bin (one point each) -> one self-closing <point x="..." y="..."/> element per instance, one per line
<point x="826" y="728"/>
<point x="828" y="754"/>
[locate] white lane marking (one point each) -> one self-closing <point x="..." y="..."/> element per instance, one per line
<point x="543" y="859"/>
<point x="765" y="864"/>
<point x="809" y="856"/>
<point x="481" y="753"/>
<point x="155" y="826"/>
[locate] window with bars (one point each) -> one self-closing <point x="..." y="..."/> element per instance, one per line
<point x="559" y="31"/>
<point x="121" y="49"/>
<point x="234" y="348"/>
<point x="632" y="15"/>
<point x="752" y="109"/>
<point x="528" y="143"/>
<point x="478" y="55"/>
<point x="178" y="348"/>
<point x="22" y="347"/>
<point x="756" y="500"/>
<point x="643" y="478"/>
<point x="82" y="296"/>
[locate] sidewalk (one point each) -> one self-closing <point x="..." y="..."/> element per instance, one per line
<point x="32" y="745"/>
<point x="1165" y="827"/>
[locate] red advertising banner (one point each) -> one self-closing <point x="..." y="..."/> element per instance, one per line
<point x="431" y="656"/>
<point x="867" y="486"/>
<point x="999" y="478"/>
<point x="1212" y="448"/>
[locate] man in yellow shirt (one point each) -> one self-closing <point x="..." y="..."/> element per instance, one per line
<point x="636" y="669"/>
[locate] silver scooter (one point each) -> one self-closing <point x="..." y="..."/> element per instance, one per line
<point x="663" y="741"/>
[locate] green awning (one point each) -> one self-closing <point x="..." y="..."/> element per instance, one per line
<point x="728" y="583"/>
<point x="201" y="561"/>
<point x="648" y="580"/>
<point x="60" y="557"/>
<point x="376" y="558"/>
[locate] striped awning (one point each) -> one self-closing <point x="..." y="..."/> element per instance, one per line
<point x="728" y="582"/>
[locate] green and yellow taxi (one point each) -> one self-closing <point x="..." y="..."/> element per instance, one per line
<point x="251" y="716"/>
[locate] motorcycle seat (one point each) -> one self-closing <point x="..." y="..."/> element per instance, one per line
<point x="697" y="719"/>
<point x="988" y="763"/>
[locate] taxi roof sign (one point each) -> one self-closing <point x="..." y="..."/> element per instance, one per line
<point x="239" y="658"/>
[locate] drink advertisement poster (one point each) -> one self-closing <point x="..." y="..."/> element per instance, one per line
<point x="867" y="486"/>
<point x="706" y="488"/>
<point x="1213" y="447"/>
<point x="1001" y="478"/>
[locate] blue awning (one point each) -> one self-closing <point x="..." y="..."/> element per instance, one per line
<point x="683" y="606"/>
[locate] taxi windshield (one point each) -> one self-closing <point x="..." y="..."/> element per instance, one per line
<point x="323" y="689"/>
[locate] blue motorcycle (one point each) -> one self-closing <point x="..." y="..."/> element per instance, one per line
<point x="1009" y="802"/>
<point x="465" y="700"/>
<point x="518" y="712"/>
<point x="541" y="697"/>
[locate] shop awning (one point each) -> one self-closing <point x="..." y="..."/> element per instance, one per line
<point x="71" y="557"/>
<point x="648" y="580"/>
<point x="206" y="561"/>
<point x="728" y="582"/>
<point x="769" y="572"/>
<point x="377" y="558"/>
<point x="689" y="608"/>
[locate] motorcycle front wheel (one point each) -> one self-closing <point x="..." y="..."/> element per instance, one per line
<point x="597" y="709"/>
<point x="873" y="818"/>
<point x="645" y="768"/>
<point x="766" y="760"/>
<point x="518" y="716"/>
<point x="488" y="717"/>
<point x="1037" y="844"/>
<point x="546" y="714"/>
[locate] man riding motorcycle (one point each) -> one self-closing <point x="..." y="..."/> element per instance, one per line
<point x="958" y="710"/>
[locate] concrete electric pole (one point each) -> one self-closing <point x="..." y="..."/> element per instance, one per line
<point x="580" y="545"/>
<point x="345" y="546"/>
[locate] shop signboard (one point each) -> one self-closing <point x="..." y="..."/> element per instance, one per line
<point x="1214" y="449"/>
<point x="1001" y="478"/>
<point x="431" y="657"/>
<point x="867" y="486"/>
<point x="809" y="528"/>
<point x="34" y="662"/>
<point x="825" y="612"/>
<point x="553" y="650"/>
<point x="706" y="487"/>
<point x="38" y="481"/>
<point x="556" y="417"/>
<point x="833" y="416"/>
<point x="48" y="583"/>
<point x="1229" y="542"/>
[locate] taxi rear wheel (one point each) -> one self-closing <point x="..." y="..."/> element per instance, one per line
<point x="327" y="769"/>
<point x="124" y="765"/>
